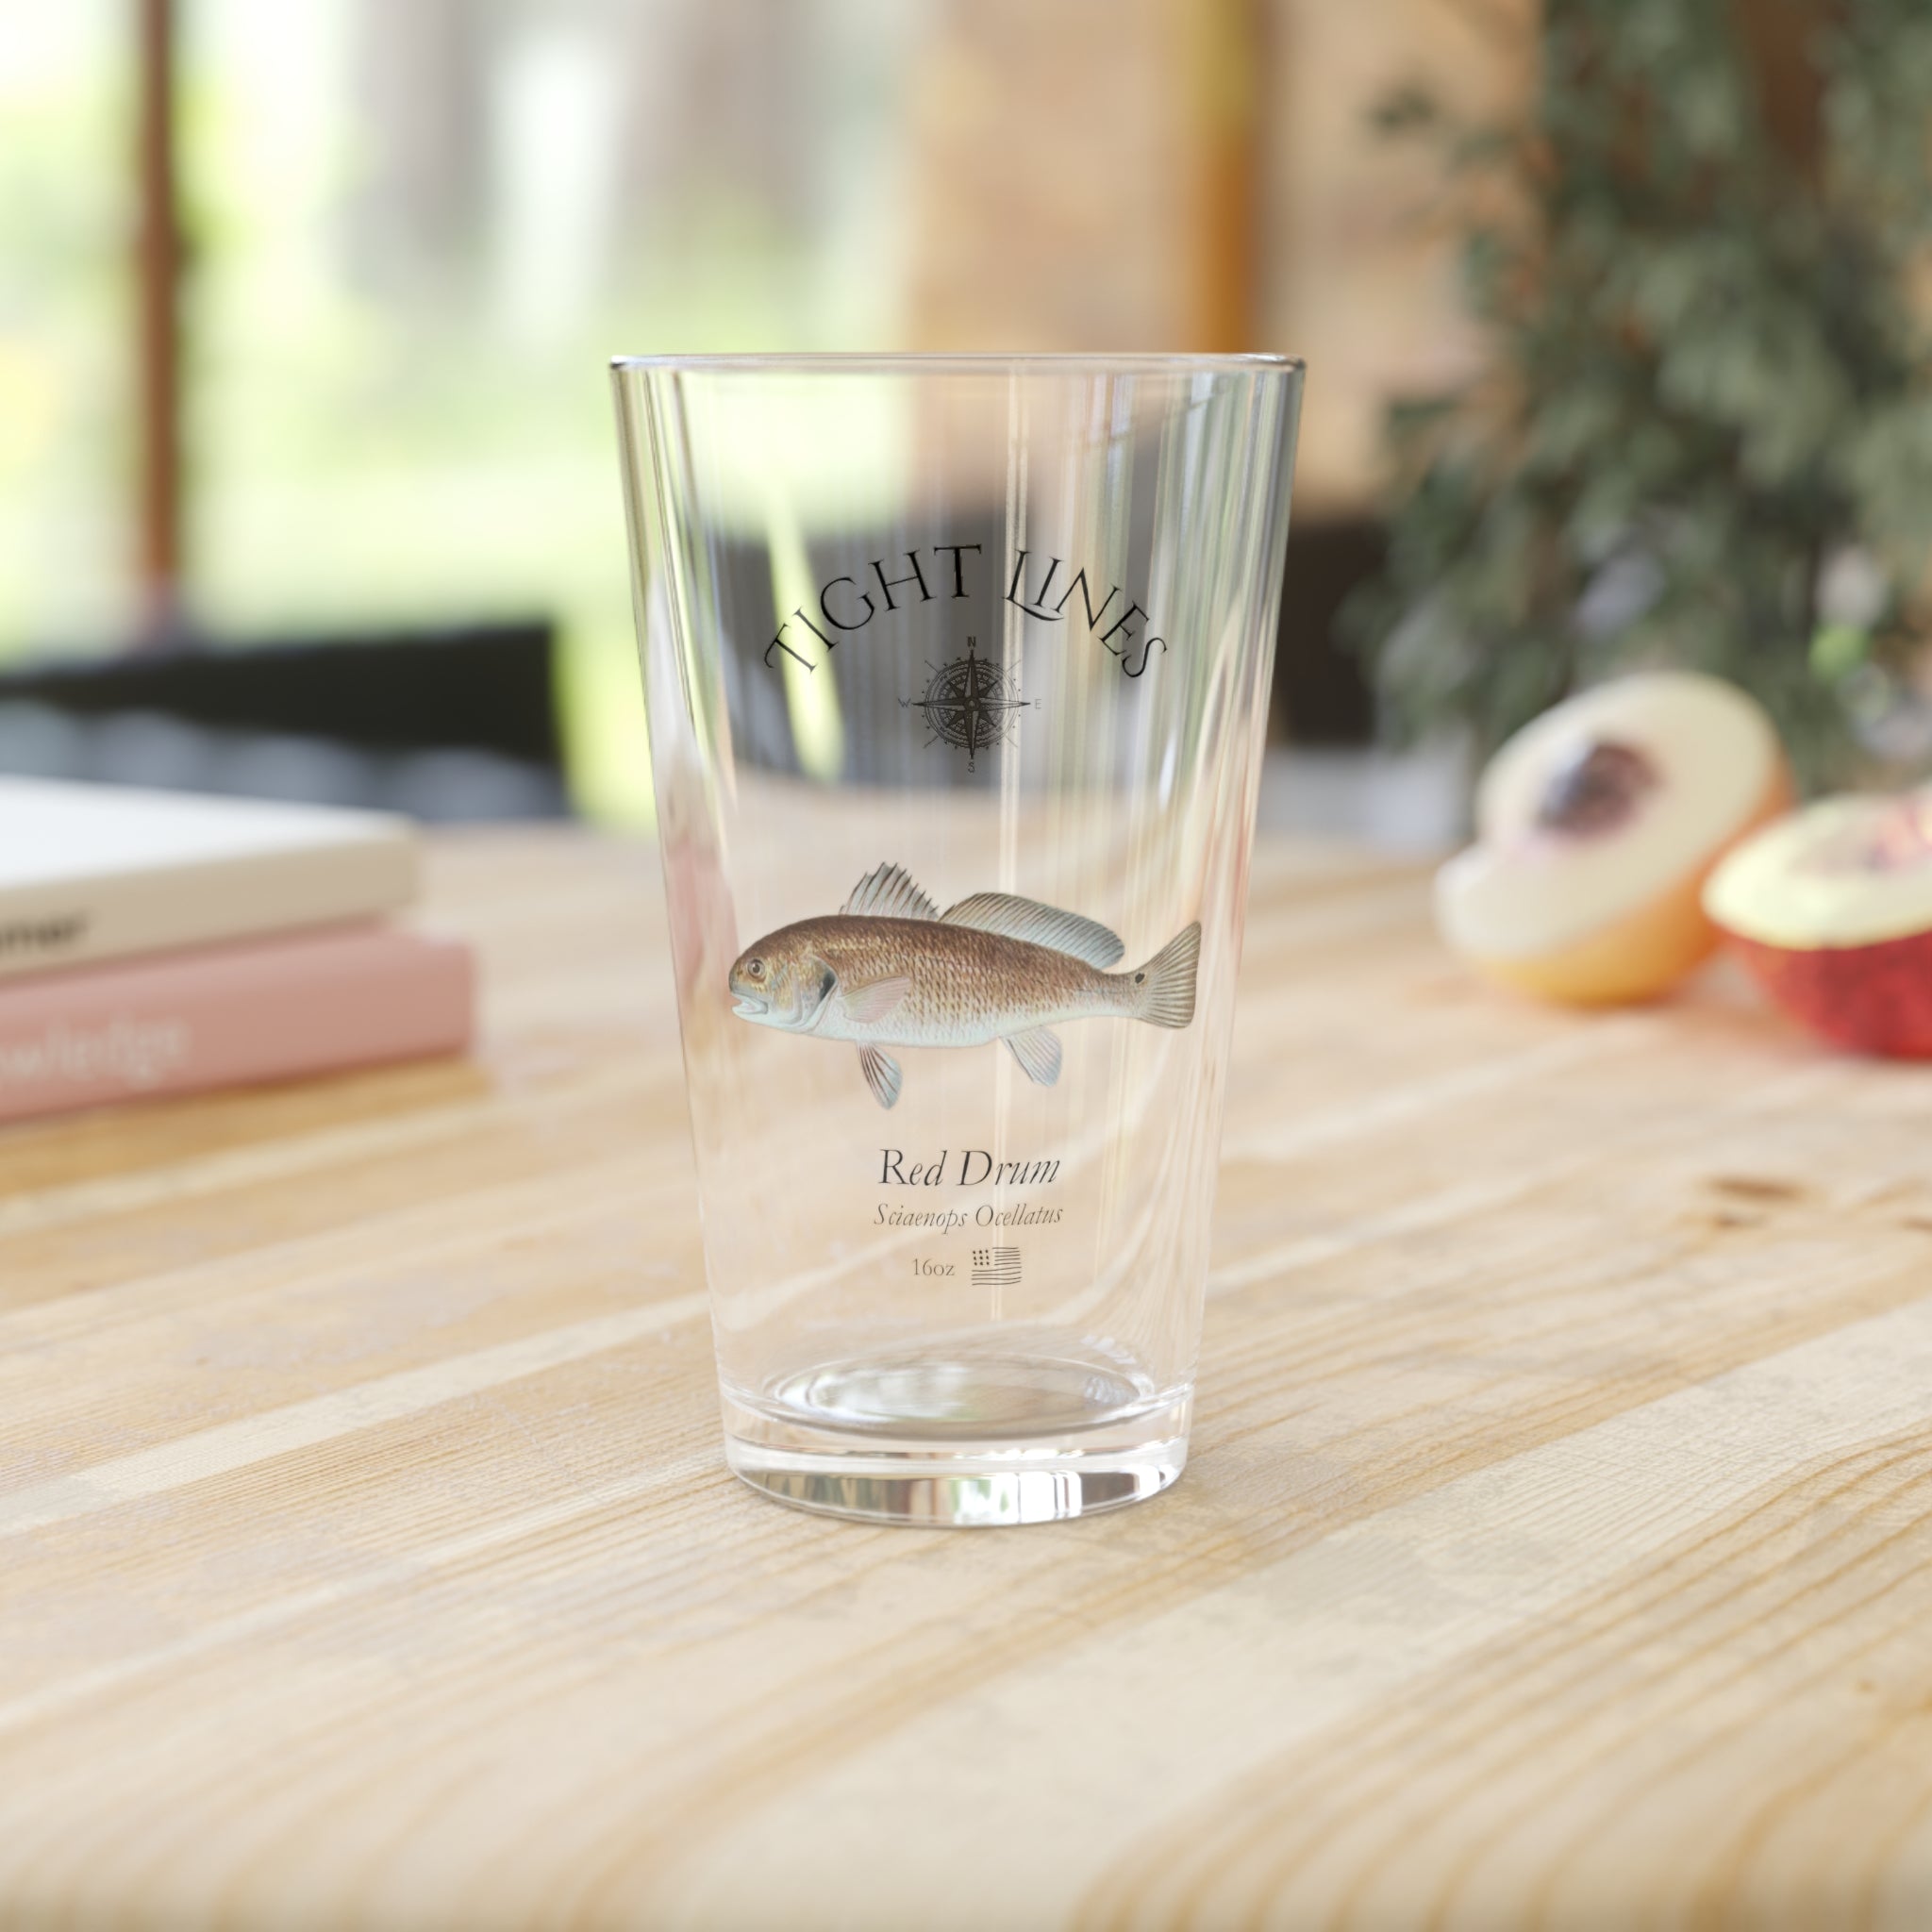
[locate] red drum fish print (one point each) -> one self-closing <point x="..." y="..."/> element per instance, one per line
<point x="889" y="969"/>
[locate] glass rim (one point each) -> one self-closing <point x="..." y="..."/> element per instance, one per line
<point x="922" y="361"/>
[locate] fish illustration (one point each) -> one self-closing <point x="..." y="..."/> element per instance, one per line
<point x="889" y="969"/>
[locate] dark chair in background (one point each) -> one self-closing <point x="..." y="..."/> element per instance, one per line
<point x="449" y="724"/>
<point x="1321" y="694"/>
<point x="461" y="723"/>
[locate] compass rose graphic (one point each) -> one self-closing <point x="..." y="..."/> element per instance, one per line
<point x="970" y="703"/>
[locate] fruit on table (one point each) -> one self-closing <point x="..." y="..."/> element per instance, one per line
<point x="1831" y="909"/>
<point x="1596" y="825"/>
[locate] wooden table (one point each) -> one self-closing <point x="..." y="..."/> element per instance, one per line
<point x="1557" y="1547"/>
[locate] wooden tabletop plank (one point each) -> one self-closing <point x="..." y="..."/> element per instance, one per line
<point x="1553" y="1550"/>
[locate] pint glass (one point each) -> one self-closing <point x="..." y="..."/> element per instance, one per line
<point x="957" y="671"/>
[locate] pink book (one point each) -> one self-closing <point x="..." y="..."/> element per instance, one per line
<point x="267" y="1009"/>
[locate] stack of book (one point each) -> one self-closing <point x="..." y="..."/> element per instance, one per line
<point x="155" y="943"/>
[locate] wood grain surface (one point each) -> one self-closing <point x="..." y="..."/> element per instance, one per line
<point x="1556" y="1549"/>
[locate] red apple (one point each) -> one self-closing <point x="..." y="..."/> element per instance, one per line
<point x="1595" y="827"/>
<point x="1831" y="909"/>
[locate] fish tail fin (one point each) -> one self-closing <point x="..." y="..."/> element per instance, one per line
<point x="1164" y="988"/>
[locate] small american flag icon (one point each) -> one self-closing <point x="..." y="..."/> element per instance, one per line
<point x="995" y="1267"/>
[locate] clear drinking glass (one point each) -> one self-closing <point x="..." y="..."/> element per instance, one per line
<point x="957" y="670"/>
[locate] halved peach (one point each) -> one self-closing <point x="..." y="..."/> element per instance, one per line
<point x="1831" y="911"/>
<point x="1596" y="827"/>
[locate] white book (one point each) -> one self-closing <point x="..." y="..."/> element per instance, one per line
<point x="102" y="872"/>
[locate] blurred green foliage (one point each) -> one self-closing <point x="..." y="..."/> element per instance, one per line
<point x="1703" y="432"/>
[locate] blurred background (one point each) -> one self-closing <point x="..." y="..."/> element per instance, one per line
<point x="307" y="471"/>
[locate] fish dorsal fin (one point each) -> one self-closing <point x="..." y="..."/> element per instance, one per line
<point x="886" y="892"/>
<point x="1041" y="925"/>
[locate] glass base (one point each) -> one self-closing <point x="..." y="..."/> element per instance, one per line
<point x="968" y="1441"/>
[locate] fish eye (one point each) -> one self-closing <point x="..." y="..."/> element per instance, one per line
<point x="1139" y="978"/>
<point x="755" y="968"/>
